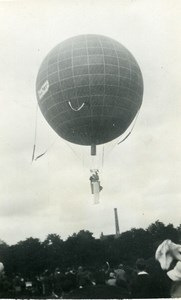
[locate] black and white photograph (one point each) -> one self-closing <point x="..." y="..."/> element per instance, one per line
<point x="90" y="149"/>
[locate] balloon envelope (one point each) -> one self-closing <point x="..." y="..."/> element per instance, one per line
<point x="89" y="89"/>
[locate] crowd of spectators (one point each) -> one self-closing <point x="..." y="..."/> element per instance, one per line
<point x="105" y="282"/>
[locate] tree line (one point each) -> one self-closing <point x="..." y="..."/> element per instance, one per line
<point x="32" y="256"/>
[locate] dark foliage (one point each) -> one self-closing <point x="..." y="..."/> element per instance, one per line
<point x="31" y="257"/>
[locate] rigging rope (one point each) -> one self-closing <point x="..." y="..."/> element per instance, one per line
<point x="45" y="151"/>
<point x="134" y="123"/>
<point x="35" y="134"/>
<point x="128" y="134"/>
<point x="34" y="158"/>
<point x="124" y="138"/>
<point x="67" y="143"/>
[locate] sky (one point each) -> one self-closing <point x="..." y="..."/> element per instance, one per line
<point x="141" y="176"/>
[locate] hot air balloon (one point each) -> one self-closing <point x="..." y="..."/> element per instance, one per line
<point x="89" y="89"/>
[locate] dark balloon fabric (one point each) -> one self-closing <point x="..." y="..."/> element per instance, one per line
<point x="89" y="89"/>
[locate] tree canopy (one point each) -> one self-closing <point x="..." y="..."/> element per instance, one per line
<point x="32" y="256"/>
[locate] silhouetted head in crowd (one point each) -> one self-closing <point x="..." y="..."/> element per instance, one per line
<point x="141" y="264"/>
<point x="120" y="266"/>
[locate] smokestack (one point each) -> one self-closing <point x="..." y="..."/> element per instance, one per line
<point x="116" y="222"/>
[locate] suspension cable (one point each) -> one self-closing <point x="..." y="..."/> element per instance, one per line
<point x="34" y="158"/>
<point x="133" y="125"/>
<point x="35" y="133"/>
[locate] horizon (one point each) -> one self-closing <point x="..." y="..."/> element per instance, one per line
<point x="41" y="240"/>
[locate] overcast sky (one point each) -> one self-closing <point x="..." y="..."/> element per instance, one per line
<point x="141" y="176"/>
